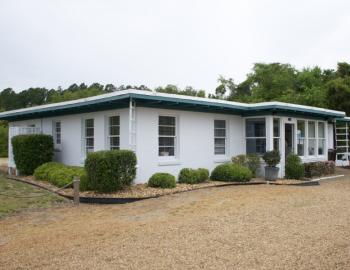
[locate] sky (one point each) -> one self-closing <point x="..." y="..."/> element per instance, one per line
<point x="158" y="42"/>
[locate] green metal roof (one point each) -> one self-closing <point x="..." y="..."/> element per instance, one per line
<point x="168" y="101"/>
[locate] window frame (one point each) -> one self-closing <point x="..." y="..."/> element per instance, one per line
<point x="220" y="137"/>
<point x="55" y="133"/>
<point x="85" y="137"/>
<point x="175" y="136"/>
<point x="255" y="137"/>
<point x="108" y="132"/>
<point x="279" y="133"/>
<point x="305" y="138"/>
<point x="311" y="138"/>
<point x="324" y="139"/>
<point x="316" y="138"/>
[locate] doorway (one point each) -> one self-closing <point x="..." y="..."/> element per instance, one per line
<point x="289" y="139"/>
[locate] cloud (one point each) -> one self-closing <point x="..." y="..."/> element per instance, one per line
<point x="52" y="43"/>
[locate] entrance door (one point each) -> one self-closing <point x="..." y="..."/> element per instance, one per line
<point x="289" y="138"/>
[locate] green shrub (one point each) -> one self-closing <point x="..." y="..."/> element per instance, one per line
<point x="162" y="180"/>
<point x="203" y="175"/>
<point x="294" y="167"/>
<point x="58" y="174"/>
<point x="251" y="161"/>
<point x="320" y="168"/>
<point x="240" y="160"/>
<point x="188" y="176"/>
<point x="330" y="167"/>
<point x="84" y="185"/>
<point x="230" y="172"/>
<point x="109" y="171"/>
<point x="31" y="151"/>
<point x="3" y="141"/>
<point x="272" y="158"/>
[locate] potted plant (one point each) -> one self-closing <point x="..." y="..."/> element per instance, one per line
<point x="271" y="158"/>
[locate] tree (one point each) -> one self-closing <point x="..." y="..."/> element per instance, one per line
<point x="338" y="94"/>
<point x="343" y="70"/>
<point x="109" y="88"/>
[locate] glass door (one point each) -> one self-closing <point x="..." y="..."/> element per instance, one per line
<point x="289" y="138"/>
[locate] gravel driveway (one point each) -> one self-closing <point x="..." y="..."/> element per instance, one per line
<point x="236" y="227"/>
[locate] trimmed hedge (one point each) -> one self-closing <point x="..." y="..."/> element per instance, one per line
<point x="162" y="180"/>
<point x="109" y="171"/>
<point x="31" y="151"/>
<point x="188" y="176"/>
<point x="58" y="174"/>
<point x="203" y="174"/>
<point x="251" y="161"/>
<point x="193" y="176"/>
<point x="316" y="169"/>
<point x="3" y="141"/>
<point x="230" y="172"/>
<point x="294" y="167"/>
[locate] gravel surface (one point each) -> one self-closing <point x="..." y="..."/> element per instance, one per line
<point x="233" y="227"/>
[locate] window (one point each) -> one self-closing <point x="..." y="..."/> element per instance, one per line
<point x="89" y="135"/>
<point x="311" y="138"/>
<point x="321" y="138"/>
<point x="114" y="132"/>
<point x="57" y="132"/>
<point x="301" y="138"/>
<point x="276" y="134"/>
<point x="256" y="136"/>
<point x="219" y="137"/>
<point x="167" y="135"/>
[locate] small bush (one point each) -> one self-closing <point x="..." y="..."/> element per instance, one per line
<point x="109" y="171"/>
<point x="240" y="160"/>
<point x="84" y="184"/>
<point x="294" y="167"/>
<point x="3" y="140"/>
<point x="272" y="158"/>
<point x="330" y="167"/>
<point x="317" y="169"/>
<point x="230" y="172"/>
<point x="162" y="180"/>
<point x="31" y="151"/>
<point x="251" y="161"/>
<point x="203" y="175"/>
<point x="188" y="176"/>
<point x="58" y="174"/>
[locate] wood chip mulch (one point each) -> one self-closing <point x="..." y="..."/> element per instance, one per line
<point x="135" y="191"/>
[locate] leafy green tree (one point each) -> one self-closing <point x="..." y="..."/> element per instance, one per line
<point x="343" y="70"/>
<point x="338" y="94"/>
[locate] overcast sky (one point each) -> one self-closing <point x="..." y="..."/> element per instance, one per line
<point x="157" y="42"/>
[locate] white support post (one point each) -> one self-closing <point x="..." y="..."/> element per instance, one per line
<point x="269" y="133"/>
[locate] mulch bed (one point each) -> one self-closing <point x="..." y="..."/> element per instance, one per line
<point x="142" y="191"/>
<point x="133" y="193"/>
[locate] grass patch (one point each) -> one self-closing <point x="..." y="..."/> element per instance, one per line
<point x="24" y="197"/>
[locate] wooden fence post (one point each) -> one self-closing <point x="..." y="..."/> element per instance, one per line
<point x="76" y="183"/>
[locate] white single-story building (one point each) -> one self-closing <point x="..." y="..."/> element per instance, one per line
<point x="170" y="132"/>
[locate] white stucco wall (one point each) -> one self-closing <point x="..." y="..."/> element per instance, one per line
<point x="71" y="133"/>
<point x="195" y="141"/>
<point x="195" y="138"/>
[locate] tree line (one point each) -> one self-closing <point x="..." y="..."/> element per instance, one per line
<point x="325" y="88"/>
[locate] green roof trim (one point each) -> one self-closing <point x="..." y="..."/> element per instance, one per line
<point x="118" y="100"/>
